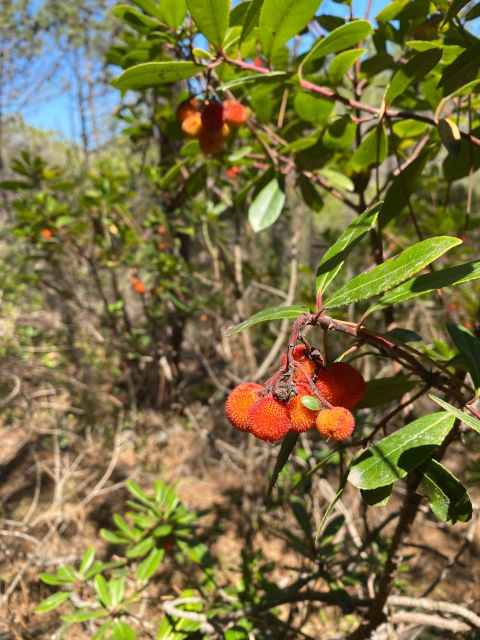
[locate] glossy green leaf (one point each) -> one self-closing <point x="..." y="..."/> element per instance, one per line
<point x="148" y="567"/>
<point x="342" y="37"/>
<point x="448" y="498"/>
<point x="428" y="282"/>
<point x="416" y="68"/>
<point x="342" y="63"/>
<point x="286" y="449"/>
<point x="371" y="151"/>
<point x="53" y="601"/>
<point x="211" y="18"/>
<point x="392" y="271"/>
<point x="251" y="18"/>
<point x="312" y="108"/>
<point x="151" y="74"/>
<point x="272" y="313"/>
<point x="385" y="390"/>
<point x="267" y="206"/>
<point x="280" y="20"/>
<point x="469" y="348"/>
<point x="150" y="7"/>
<point x="253" y="78"/>
<point x="401" y="189"/>
<point x="461" y="71"/>
<point x="333" y="259"/>
<point x="391" y="11"/>
<point x="394" y="456"/>
<point x="466" y="418"/>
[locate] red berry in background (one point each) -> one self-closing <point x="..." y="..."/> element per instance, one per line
<point x="187" y="108"/>
<point x="269" y="419"/>
<point x="341" y="385"/>
<point x="213" y="116"/>
<point x="233" y="172"/>
<point x="239" y="403"/>
<point x="336" y="423"/>
<point x="258" y="62"/>
<point x="46" y="234"/>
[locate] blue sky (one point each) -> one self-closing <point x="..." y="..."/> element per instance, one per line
<point x="56" y="110"/>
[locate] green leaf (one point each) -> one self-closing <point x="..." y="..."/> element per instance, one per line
<point x="122" y="631"/>
<point x="461" y="71"/>
<point x="469" y="348"/>
<point x="272" y="313"/>
<point x="53" y="601"/>
<point x="50" y="578"/>
<point x="333" y="259"/>
<point x="251" y="18"/>
<point x="385" y="390"/>
<point x="449" y="500"/>
<point x="454" y="7"/>
<point x="391" y="11"/>
<point x="394" y="456"/>
<point x="135" y="19"/>
<point x="87" y="560"/>
<point x="83" y="615"/>
<point x="280" y="20"/>
<point x="342" y="63"/>
<point x="392" y="271"/>
<point x="312" y="108"/>
<point x="430" y="282"/>
<point x="371" y="151"/>
<point x="147" y="567"/>
<point x="311" y="402"/>
<point x="117" y="590"/>
<point x="102" y="590"/>
<point x="377" y="497"/>
<point x="211" y="18"/>
<point x="342" y="37"/>
<point x="173" y="12"/>
<point x="466" y="418"/>
<point x="286" y="449"/>
<point x="401" y="188"/>
<point x="141" y="548"/>
<point x="255" y="78"/>
<point x="138" y="493"/>
<point x="337" y="179"/>
<point x="151" y="74"/>
<point x="266" y="207"/>
<point x="416" y="68"/>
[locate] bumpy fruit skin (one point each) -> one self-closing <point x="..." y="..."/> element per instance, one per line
<point x="336" y="423"/>
<point x="235" y="113"/>
<point x="341" y="385"/>
<point x="269" y="419"/>
<point x="211" y="142"/>
<point x="301" y="417"/>
<point x="213" y="116"/>
<point x="239" y="403"/>
<point x="192" y="125"/>
<point x="187" y="108"/>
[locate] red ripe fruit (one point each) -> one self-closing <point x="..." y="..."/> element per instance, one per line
<point x="235" y="113"/>
<point x="301" y="417"/>
<point x="269" y="419"/>
<point x="341" y="385"/>
<point x="239" y="403"/>
<point x="336" y="423"/>
<point x="211" y="142"/>
<point x="192" y="125"/>
<point x="213" y="116"/>
<point x="187" y="108"/>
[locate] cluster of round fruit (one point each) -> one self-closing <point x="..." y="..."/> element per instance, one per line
<point x="269" y="412"/>
<point x="211" y="122"/>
